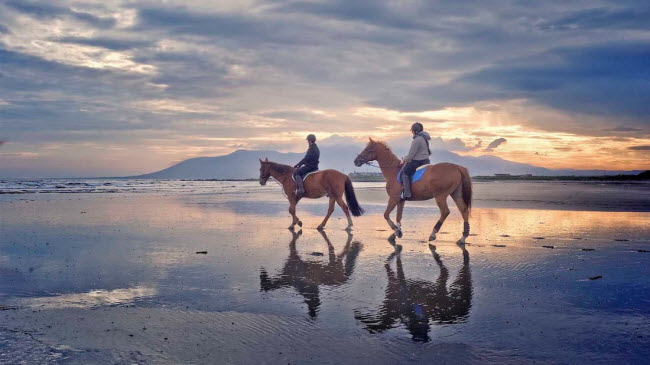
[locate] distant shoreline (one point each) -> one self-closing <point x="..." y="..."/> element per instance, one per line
<point x="644" y="176"/>
<point x="377" y="177"/>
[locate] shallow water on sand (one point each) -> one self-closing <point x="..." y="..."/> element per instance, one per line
<point x="88" y="278"/>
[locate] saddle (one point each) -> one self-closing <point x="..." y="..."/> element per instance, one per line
<point x="305" y="177"/>
<point x="417" y="176"/>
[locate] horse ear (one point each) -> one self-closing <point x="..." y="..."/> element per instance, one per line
<point x="266" y="160"/>
<point x="370" y="139"/>
<point x="260" y="160"/>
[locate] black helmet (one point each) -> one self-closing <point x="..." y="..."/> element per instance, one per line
<point x="417" y="127"/>
<point x="311" y="138"/>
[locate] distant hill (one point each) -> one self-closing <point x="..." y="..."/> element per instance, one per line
<point x="244" y="164"/>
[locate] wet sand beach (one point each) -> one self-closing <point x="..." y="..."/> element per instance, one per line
<point x="208" y="273"/>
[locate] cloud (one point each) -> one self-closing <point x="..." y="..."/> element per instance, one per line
<point x="115" y="44"/>
<point x="162" y="81"/>
<point x="639" y="148"/>
<point x="494" y="144"/>
<point x="47" y="11"/>
<point x="454" y="144"/>
<point x="623" y="129"/>
<point x="600" y="18"/>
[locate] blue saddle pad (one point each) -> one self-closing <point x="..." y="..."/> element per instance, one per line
<point x="416" y="177"/>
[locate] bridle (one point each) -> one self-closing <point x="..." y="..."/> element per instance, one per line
<point x="369" y="163"/>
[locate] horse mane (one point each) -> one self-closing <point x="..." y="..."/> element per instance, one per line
<point x="280" y="168"/>
<point x="386" y="146"/>
<point x="388" y="150"/>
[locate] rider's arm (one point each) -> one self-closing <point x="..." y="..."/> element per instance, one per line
<point x="412" y="151"/>
<point x="301" y="162"/>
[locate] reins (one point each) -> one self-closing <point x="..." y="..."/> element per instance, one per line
<point x="380" y="167"/>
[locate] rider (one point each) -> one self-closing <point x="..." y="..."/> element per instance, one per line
<point x="308" y="164"/>
<point x="418" y="155"/>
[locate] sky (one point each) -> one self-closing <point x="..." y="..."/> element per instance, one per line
<point x="106" y="88"/>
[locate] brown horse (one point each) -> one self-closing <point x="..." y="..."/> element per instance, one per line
<point x="439" y="181"/>
<point x="330" y="183"/>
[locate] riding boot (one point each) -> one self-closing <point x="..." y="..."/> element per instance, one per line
<point x="406" y="183"/>
<point x="300" y="191"/>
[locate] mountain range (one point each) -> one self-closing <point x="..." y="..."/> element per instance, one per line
<point x="244" y="164"/>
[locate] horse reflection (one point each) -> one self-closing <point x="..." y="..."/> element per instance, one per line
<point x="418" y="303"/>
<point x="307" y="276"/>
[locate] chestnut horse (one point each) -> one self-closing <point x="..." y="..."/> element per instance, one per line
<point x="439" y="181"/>
<point x="329" y="183"/>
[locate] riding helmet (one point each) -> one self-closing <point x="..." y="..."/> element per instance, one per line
<point x="417" y="127"/>
<point x="311" y="138"/>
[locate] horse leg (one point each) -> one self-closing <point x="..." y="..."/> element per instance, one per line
<point x="292" y="211"/>
<point x="464" y="211"/>
<point x="400" y="210"/>
<point x="345" y="209"/>
<point x="392" y="202"/>
<point x="444" y="212"/>
<point x="329" y="213"/>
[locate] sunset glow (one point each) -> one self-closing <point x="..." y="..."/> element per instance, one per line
<point x="121" y="88"/>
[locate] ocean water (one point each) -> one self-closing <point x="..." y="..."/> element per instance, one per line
<point x="170" y="272"/>
<point x="569" y="195"/>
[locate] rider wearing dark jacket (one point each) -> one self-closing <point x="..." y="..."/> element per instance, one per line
<point x="308" y="164"/>
<point x="418" y="155"/>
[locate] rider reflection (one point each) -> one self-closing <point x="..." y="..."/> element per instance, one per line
<point x="307" y="276"/>
<point x="418" y="303"/>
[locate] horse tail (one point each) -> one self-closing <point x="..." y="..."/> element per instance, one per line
<point x="351" y="198"/>
<point x="466" y="186"/>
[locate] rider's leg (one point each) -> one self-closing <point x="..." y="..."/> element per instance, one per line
<point x="409" y="170"/>
<point x="297" y="175"/>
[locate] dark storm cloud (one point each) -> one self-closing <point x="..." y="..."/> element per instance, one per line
<point x="494" y="144"/>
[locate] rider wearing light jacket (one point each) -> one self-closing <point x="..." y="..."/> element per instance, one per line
<point x="417" y="156"/>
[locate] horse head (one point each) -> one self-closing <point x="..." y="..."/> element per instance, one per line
<point x="368" y="154"/>
<point x="265" y="171"/>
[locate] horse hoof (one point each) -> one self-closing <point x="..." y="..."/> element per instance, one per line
<point x="461" y="241"/>
<point x="320" y="228"/>
<point x="391" y="239"/>
<point x="348" y="229"/>
<point x="432" y="237"/>
<point x="291" y="228"/>
<point x="398" y="233"/>
<point x="300" y="223"/>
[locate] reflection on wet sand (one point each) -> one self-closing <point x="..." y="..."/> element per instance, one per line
<point x="416" y="303"/>
<point x="307" y="276"/>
